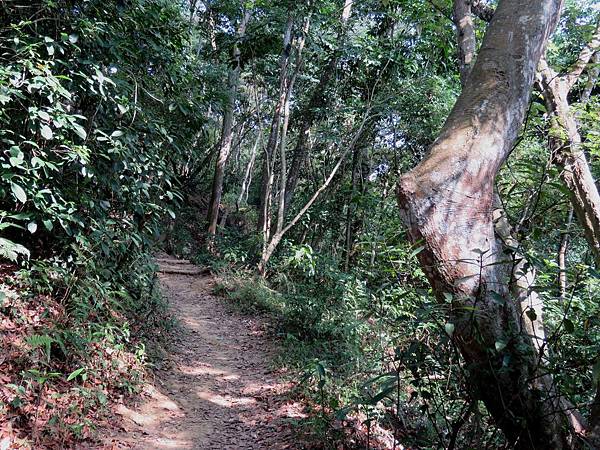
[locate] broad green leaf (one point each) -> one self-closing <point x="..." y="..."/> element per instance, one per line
<point x="44" y="115"/>
<point x="500" y="346"/>
<point x="10" y="250"/>
<point x="18" y="192"/>
<point x="449" y="327"/>
<point x="37" y="162"/>
<point x="46" y="132"/>
<point x="15" y="161"/>
<point x="80" y="131"/>
<point x="75" y="373"/>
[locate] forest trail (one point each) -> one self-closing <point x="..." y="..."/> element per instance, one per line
<point x="217" y="389"/>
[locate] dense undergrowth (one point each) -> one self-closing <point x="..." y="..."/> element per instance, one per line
<point x="86" y="178"/>
<point x="65" y="361"/>
<point x="370" y="349"/>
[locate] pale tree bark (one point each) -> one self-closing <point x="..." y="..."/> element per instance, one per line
<point x="266" y="186"/>
<point x="523" y="273"/>
<point x="465" y="35"/>
<point x="310" y="114"/>
<point x="522" y="282"/>
<point x="247" y="180"/>
<point x="566" y="147"/>
<point x="227" y="129"/>
<point x="447" y="204"/>
<point x="243" y="197"/>
<point x="562" y="257"/>
<point x="577" y="176"/>
<point x="566" y="144"/>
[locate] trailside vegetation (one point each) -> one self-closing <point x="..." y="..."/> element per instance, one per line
<point x="406" y="189"/>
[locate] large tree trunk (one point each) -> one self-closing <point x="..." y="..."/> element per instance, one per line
<point x="227" y="131"/>
<point x="447" y="204"/>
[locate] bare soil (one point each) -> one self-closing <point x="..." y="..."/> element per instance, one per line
<point x="218" y="388"/>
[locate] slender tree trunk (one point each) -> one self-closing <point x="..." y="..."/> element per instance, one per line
<point x="283" y="161"/>
<point x="565" y="144"/>
<point x="447" y="204"/>
<point x="275" y="239"/>
<point x="243" y="197"/>
<point x="227" y="130"/>
<point x="284" y="128"/>
<point x="318" y="101"/>
<point x="269" y="154"/>
<point x="465" y="35"/>
<point x="562" y="257"/>
<point x="350" y="211"/>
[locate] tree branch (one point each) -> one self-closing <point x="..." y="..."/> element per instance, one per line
<point x="584" y="58"/>
<point x="465" y="37"/>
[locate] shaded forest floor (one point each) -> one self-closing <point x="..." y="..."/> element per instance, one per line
<point x="217" y="388"/>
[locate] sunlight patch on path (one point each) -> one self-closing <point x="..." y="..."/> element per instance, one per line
<point x="217" y="390"/>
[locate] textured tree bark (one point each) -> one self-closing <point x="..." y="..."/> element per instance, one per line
<point x="227" y="130"/>
<point x="447" y="204"/>
<point x="565" y="144"/>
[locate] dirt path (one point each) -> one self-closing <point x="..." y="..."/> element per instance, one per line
<point x="218" y="390"/>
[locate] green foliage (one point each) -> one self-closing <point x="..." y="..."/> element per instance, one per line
<point x="110" y="120"/>
<point x="96" y="126"/>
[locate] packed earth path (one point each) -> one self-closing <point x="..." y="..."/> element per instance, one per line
<point x="218" y="388"/>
